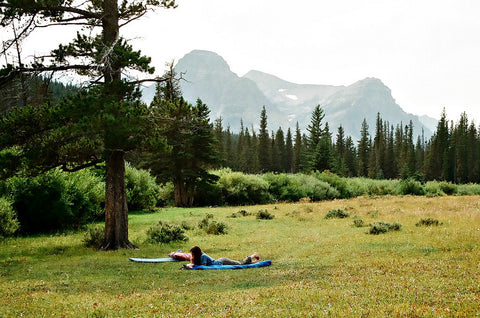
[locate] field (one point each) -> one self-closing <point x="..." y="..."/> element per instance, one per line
<point x="320" y="267"/>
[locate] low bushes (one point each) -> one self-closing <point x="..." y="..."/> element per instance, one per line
<point x="210" y="226"/>
<point x="293" y="187"/>
<point x="56" y="200"/>
<point x="94" y="236"/>
<point x="8" y="218"/>
<point x="165" y="233"/>
<point x="239" y="189"/>
<point x="383" y="227"/>
<point x="337" y="214"/>
<point x="142" y="189"/>
<point x="428" y="222"/>
<point x="264" y="215"/>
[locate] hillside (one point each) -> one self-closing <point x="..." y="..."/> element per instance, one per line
<point x="209" y="77"/>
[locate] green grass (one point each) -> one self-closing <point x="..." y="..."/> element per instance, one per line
<point x="320" y="267"/>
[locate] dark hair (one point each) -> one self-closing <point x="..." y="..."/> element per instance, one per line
<point x="196" y="255"/>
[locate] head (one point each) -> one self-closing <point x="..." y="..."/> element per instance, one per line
<point x="196" y="255"/>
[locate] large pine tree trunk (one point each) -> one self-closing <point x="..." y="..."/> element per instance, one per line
<point x="116" y="210"/>
<point x="180" y="191"/>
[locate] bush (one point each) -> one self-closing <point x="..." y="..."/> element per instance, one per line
<point x="94" y="236"/>
<point x="142" y="189"/>
<point x="358" y="223"/>
<point x="469" y="189"/>
<point x="239" y="213"/>
<point x="410" y="186"/>
<point x="203" y="224"/>
<point x="239" y="189"/>
<point x="338" y="214"/>
<point x="216" y="228"/>
<point x="8" y="218"/>
<point x="293" y="187"/>
<point x="335" y="181"/>
<point x="264" y="215"/>
<point x="383" y="227"/>
<point x="212" y="227"/>
<point x="448" y="187"/>
<point x="208" y="194"/>
<point x="165" y="233"/>
<point x="56" y="200"/>
<point x="428" y="222"/>
<point x="166" y="194"/>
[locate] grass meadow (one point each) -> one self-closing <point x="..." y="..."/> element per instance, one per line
<point x="320" y="267"/>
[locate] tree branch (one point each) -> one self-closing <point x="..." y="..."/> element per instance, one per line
<point x="80" y="167"/>
<point x="40" y="8"/>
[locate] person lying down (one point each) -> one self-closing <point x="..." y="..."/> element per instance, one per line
<point x="197" y="257"/>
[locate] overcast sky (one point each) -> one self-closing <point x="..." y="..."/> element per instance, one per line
<point x="426" y="51"/>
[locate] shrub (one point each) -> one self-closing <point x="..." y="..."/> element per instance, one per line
<point x="142" y="189"/>
<point x="335" y="181"/>
<point x="239" y="213"/>
<point x="166" y="195"/>
<point x="410" y="186"/>
<point x="56" y="200"/>
<point x="289" y="187"/>
<point x="165" y="233"/>
<point x="358" y="223"/>
<point x="8" y="218"/>
<point x="216" y="228"/>
<point x="448" y="187"/>
<point x="94" y="236"/>
<point x="264" y="215"/>
<point x="469" y="189"/>
<point x="212" y="227"/>
<point x="383" y="227"/>
<point x="203" y="224"/>
<point x="428" y="222"/>
<point x="338" y="214"/>
<point x="238" y="188"/>
<point x="208" y="194"/>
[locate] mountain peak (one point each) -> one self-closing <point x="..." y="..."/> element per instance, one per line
<point x="202" y="61"/>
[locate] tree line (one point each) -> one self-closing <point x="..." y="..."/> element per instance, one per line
<point x="452" y="154"/>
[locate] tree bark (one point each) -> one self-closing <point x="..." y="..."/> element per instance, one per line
<point x="116" y="210"/>
<point x="181" y="198"/>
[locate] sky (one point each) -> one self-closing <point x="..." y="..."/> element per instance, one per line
<point x="427" y="52"/>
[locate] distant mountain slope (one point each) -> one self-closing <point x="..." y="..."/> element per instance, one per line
<point x="209" y="77"/>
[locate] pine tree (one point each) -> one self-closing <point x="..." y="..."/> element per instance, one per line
<point x="297" y="150"/>
<point x="350" y="158"/>
<point x="104" y="122"/>
<point x="363" y="150"/>
<point x="220" y="142"/>
<point x="339" y="151"/>
<point x="279" y="145"/>
<point x="264" y="144"/>
<point x="288" y="153"/>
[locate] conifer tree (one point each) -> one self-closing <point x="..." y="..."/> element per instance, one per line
<point x="279" y="152"/>
<point x="350" y="156"/>
<point x="363" y="150"/>
<point x="288" y="152"/>
<point x="264" y="143"/>
<point x="102" y="123"/>
<point x="297" y="150"/>
<point x="340" y="152"/>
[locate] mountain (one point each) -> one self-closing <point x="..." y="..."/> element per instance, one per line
<point x="208" y="77"/>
